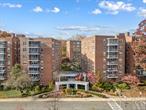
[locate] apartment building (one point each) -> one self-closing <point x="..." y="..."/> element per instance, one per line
<point x="40" y="58"/>
<point x="73" y="48"/>
<point x="141" y="29"/>
<point x="105" y="54"/>
<point x="63" y="48"/>
<point x="129" y="55"/>
<point x="8" y="53"/>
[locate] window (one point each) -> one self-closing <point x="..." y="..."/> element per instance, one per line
<point x="24" y="49"/>
<point x="24" y="43"/>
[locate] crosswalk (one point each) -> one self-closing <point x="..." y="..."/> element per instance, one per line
<point x="141" y="105"/>
<point x="114" y="105"/>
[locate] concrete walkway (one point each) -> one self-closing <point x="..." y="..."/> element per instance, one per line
<point x="73" y="99"/>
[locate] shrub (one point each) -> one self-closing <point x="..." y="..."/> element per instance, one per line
<point x="144" y="82"/>
<point x="107" y="86"/>
<point x="122" y="86"/>
<point x="130" y="79"/>
<point x="68" y="91"/>
<point x="37" y="89"/>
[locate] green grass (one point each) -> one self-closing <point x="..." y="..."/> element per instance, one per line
<point x="10" y="94"/>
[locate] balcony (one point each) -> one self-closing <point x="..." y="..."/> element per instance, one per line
<point x="112" y="50"/>
<point x="34" y="44"/>
<point x="112" y="76"/>
<point x="2" y="51"/>
<point x="2" y="45"/>
<point x="34" y="72"/>
<point x="112" y="56"/>
<point x="34" y="53"/>
<point x="2" y="71"/>
<point x="2" y="59"/>
<point x="2" y="65"/>
<point x="112" y="63"/>
<point x="112" y="42"/>
<point x="2" y="78"/>
<point x="112" y="69"/>
<point x="35" y="79"/>
<point x="34" y="65"/>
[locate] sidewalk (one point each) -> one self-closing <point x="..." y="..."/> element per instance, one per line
<point x="73" y="99"/>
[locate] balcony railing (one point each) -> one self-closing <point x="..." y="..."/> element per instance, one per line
<point x="34" y="46"/>
<point x="34" y="53"/>
<point x="34" y="72"/>
<point x="2" y="51"/>
<point x="2" y="71"/>
<point x="2" y="78"/>
<point x="112" y="50"/>
<point x="2" y="46"/>
<point x="35" y="78"/>
<point x="112" y="44"/>
<point x="112" y="56"/>
<point x="112" y="63"/>
<point x="112" y="69"/>
<point x="110" y="76"/>
<point x="34" y="65"/>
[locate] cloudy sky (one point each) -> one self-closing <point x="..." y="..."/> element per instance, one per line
<point x="64" y="18"/>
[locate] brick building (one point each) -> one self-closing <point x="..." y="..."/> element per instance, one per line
<point x="73" y="48"/>
<point x="40" y="58"/>
<point x="8" y="53"/>
<point x="105" y="54"/>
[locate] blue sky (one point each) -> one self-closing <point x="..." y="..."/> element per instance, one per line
<point x="65" y="18"/>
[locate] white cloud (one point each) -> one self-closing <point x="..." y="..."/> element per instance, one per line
<point x="115" y="7"/>
<point x="10" y="5"/>
<point x="142" y="12"/>
<point x="96" y="11"/>
<point x="55" y="10"/>
<point x="78" y="28"/>
<point x="144" y="1"/>
<point x="38" y="9"/>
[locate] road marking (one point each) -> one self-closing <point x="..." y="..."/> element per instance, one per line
<point x="140" y="105"/>
<point x="114" y="105"/>
<point x="144" y="102"/>
<point x="137" y="106"/>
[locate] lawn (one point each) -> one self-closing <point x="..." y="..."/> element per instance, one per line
<point x="10" y="94"/>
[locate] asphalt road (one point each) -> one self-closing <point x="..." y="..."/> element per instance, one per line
<point x="73" y="105"/>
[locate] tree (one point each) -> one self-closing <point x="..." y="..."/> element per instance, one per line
<point x="18" y="79"/>
<point x="130" y="79"/>
<point x="95" y="77"/>
<point x="139" y="47"/>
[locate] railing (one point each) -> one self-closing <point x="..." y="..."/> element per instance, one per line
<point x="111" y="70"/>
<point x="35" y="78"/>
<point x="2" y="46"/>
<point x="2" y="51"/>
<point x="34" y="59"/>
<point x="2" y="71"/>
<point x="112" y="63"/>
<point x="34" y="65"/>
<point x="34" y="46"/>
<point x="112" y="76"/>
<point x="2" y="78"/>
<point x="112" y="56"/>
<point x="112" y="44"/>
<point x="112" y="50"/>
<point x="34" y="72"/>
